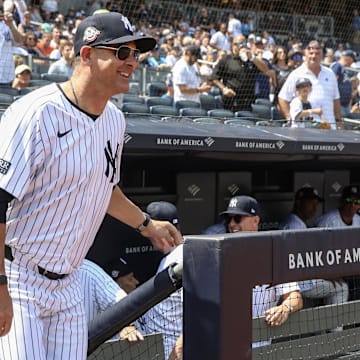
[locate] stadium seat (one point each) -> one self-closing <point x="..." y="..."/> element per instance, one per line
<point x="5" y="100"/>
<point x="262" y="111"/>
<point x="134" y="109"/>
<point x="245" y="114"/>
<point x="157" y="88"/>
<point x="134" y="88"/>
<point x="263" y="101"/>
<point x="9" y="91"/>
<point x="220" y="113"/>
<point x="186" y="104"/>
<point x="39" y="83"/>
<point x="192" y="112"/>
<point x="131" y="98"/>
<point x="207" y="101"/>
<point x="157" y="100"/>
<point x="163" y="110"/>
<point x="54" y="77"/>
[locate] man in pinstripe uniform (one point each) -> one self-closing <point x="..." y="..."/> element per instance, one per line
<point x="60" y="150"/>
<point x="100" y="292"/>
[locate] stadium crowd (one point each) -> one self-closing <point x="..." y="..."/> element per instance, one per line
<point x="200" y="54"/>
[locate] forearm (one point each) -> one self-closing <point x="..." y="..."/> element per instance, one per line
<point x="18" y="37"/>
<point x="123" y="209"/>
<point x="293" y="301"/>
<point x="260" y="65"/>
<point x="337" y="110"/>
<point x="187" y="90"/>
<point x="284" y="108"/>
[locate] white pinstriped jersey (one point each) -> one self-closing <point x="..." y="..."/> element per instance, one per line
<point x="166" y="317"/>
<point x="100" y="291"/>
<point x="61" y="167"/>
<point x="7" y="67"/>
<point x="293" y="222"/>
<point x="332" y="219"/>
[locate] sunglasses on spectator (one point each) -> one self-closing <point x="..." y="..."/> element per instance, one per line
<point x="123" y="52"/>
<point x="313" y="48"/>
<point x="236" y="218"/>
<point x="352" y="201"/>
<point x="297" y="57"/>
<point x="243" y="43"/>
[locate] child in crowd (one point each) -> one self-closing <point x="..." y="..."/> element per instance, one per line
<point x="302" y="113"/>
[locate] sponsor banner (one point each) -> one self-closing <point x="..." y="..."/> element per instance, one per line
<point x="316" y="253"/>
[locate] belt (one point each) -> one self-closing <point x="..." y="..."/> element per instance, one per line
<point x="50" y="275"/>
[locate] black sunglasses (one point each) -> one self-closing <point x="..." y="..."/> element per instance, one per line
<point x="352" y="201"/>
<point x="236" y="218"/>
<point x="123" y="52"/>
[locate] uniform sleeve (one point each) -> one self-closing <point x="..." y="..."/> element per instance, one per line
<point x="21" y="150"/>
<point x="286" y="288"/>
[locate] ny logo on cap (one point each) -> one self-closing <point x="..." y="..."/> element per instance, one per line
<point x="126" y="22"/>
<point x="90" y="34"/>
<point x="233" y="203"/>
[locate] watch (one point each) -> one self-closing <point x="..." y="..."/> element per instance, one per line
<point x="3" y="280"/>
<point x="145" y="223"/>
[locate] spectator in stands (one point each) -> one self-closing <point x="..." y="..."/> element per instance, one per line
<point x="305" y="207"/>
<point x="100" y="292"/>
<point x="165" y="317"/>
<point x="343" y="78"/>
<point x="26" y="25"/>
<point x="325" y="91"/>
<point x="169" y="88"/>
<point x="282" y="70"/>
<point x="22" y="77"/>
<point x="55" y="37"/>
<point x="205" y="22"/>
<point x="243" y="214"/>
<point x="234" y="75"/>
<point x="234" y="27"/>
<point x="9" y="37"/>
<point x="121" y="272"/>
<point x="221" y="40"/>
<point x="44" y="44"/>
<point x="246" y="27"/>
<point x="329" y="57"/>
<point x="30" y="42"/>
<point x="344" y="216"/>
<point x="186" y="77"/>
<point x="295" y="58"/>
<point x="303" y="113"/>
<point x="64" y="66"/>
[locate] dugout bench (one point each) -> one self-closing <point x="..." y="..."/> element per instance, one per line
<point x="307" y="334"/>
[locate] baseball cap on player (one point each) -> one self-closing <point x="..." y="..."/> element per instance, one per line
<point x="308" y="192"/>
<point x="117" y="268"/>
<point x="242" y="205"/>
<point x="351" y="191"/>
<point x="163" y="210"/>
<point x="110" y="28"/>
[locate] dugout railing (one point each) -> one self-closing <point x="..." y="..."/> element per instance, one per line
<point x="220" y="272"/>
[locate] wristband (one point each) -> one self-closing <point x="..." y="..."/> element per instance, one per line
<point x="3" y="280"/>
<point x="144" y="224"/>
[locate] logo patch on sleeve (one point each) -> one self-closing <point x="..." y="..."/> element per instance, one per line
<point x="4" y="166"/>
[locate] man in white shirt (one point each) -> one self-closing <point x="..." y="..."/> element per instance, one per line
<point x="325" y="90"/>
<point x="186" y="77"/>
<point x="234" y="26"/>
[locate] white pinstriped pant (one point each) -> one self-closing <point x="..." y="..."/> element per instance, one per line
<point x="49" y="318"/>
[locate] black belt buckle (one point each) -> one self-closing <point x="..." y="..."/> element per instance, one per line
<point x="50" y="275"/>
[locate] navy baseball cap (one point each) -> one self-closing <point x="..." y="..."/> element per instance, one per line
<point x="302" y="82"/>
<point x="117" y="268"/>
<point x="351" y="191"/>
<point x="110" y="28"/>
<point x="308" y="192"/>
<point x="242" y="205"/>
<point x="163" y="210"/>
